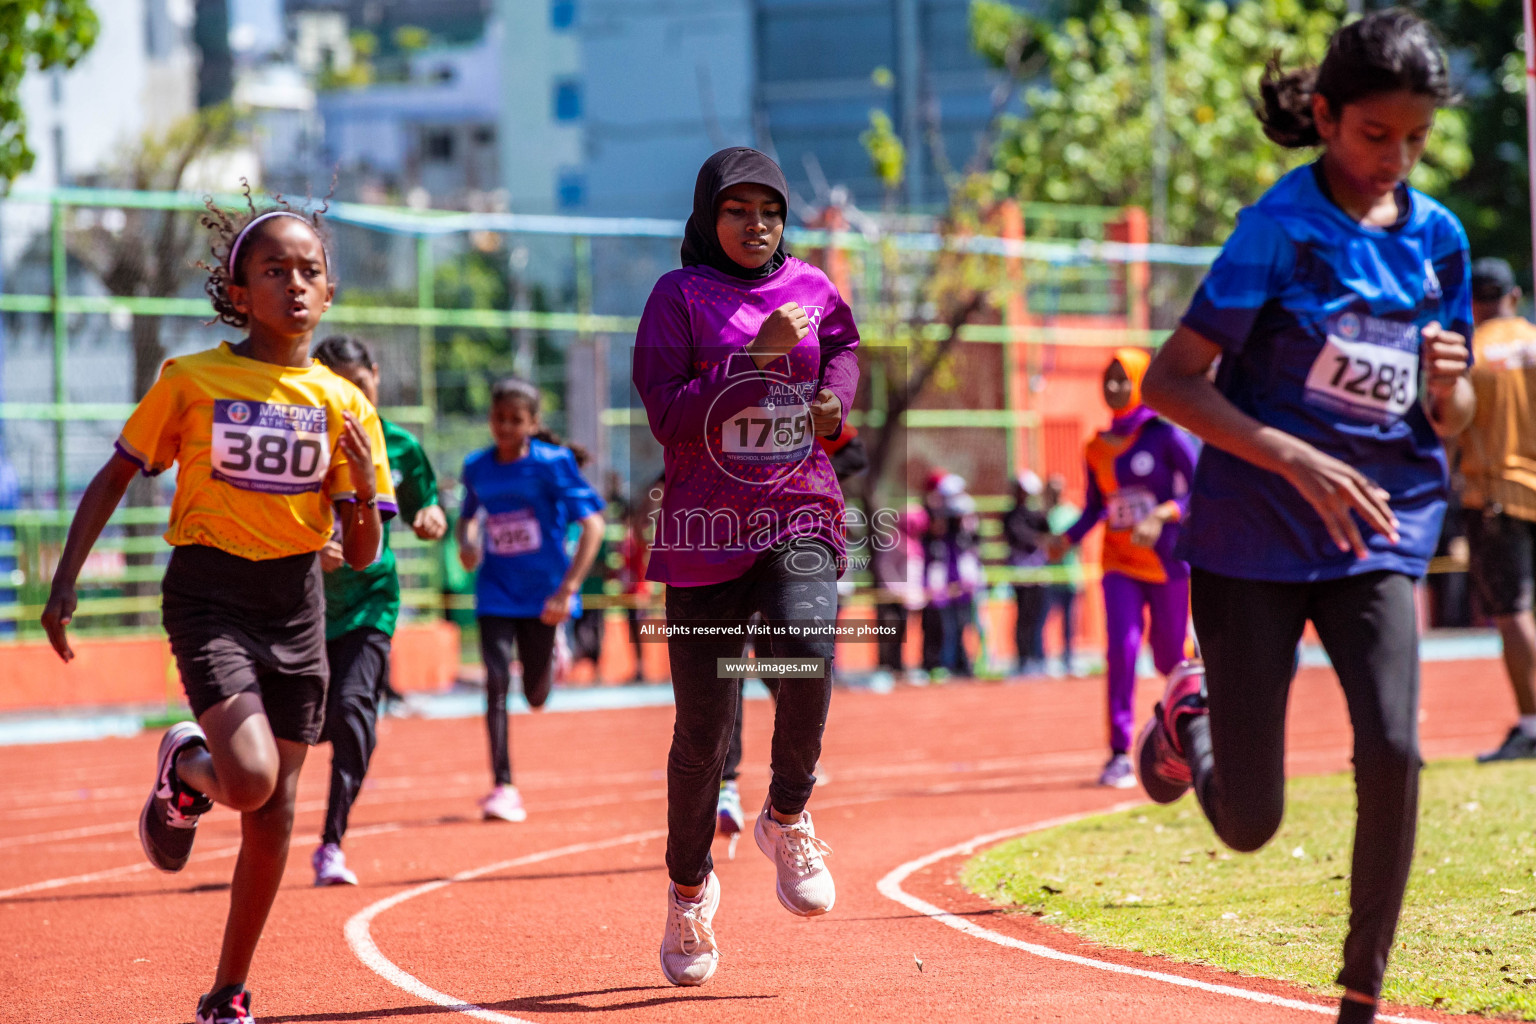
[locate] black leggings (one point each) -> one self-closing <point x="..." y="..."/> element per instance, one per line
<point x="1248" y="631"/>
<point x="359" y="674"/>
<point x="535" y="644"/>
<point x="787" y="585"/>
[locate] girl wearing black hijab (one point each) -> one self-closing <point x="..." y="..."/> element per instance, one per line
<point x="743" y="358"/>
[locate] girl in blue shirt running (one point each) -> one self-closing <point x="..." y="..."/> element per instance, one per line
<point x="520" y="497"/>
<point x="1339" y="310"/>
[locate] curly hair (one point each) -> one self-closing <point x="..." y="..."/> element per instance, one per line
<point x="226" y="227"/>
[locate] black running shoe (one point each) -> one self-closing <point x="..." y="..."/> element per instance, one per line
<point x="168" y="823"/>
<point x="1517" y="746"/>
<point x="229" y="1005"/>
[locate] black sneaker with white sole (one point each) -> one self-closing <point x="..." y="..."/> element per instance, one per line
<point x="229" y="1005"/>
<point x="168" y="823"/>
<point x="1517" y="746"/>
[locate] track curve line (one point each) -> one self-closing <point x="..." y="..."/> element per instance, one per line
<point x="360" y="938"/>
<point x="890" y="888"/>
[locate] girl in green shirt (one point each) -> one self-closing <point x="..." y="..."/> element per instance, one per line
<point x="361" y="609"/>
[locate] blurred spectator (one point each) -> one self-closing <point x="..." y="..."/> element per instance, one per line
<point x="634" y="553"/>
<point x="1060" y="515"/>
<point x="1026" y="528"/>
<point x="899" y="570"/>
<point x="952" y="575"/>
<point x="1450" y="597"/>
<point x="587" y="629"/>
<point x="1498" y="463"/>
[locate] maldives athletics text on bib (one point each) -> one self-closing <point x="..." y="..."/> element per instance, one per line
<point x="270" y="447"/>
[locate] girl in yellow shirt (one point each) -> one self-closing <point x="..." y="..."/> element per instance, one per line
<point x="270" y="450"/>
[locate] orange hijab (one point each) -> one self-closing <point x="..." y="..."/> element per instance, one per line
<point x="1134" y="361"/>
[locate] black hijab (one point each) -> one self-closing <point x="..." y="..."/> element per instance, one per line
<point x="740" y="166"/>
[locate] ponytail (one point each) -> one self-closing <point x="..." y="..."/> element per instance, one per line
<point x="1387" y="51"/>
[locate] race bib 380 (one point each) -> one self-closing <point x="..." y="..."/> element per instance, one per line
<point x="270" y="447"/>
<point x="1368" y="370"/>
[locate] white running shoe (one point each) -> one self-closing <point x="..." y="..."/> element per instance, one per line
<point x="1118" y="773"/>
<point x="689" y="955"/>
<point x="804" y="884"/>
<point x="504" y="803"/>
<point x="330" y="866"/>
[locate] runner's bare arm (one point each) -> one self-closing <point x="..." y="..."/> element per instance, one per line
<point x="559" y="604"/>
<point x="1176" y="385"/>
<point x="1449" y="400"/>
<point x="96" y="507"/>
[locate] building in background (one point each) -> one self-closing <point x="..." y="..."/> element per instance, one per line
<point x="428" y="139"/>
<point x="822" y="66"/>
<point x="668" y="83"/>
<point x="543" y="106"/>
<point x="141" y="76"/>
<point x="609" y="106"/>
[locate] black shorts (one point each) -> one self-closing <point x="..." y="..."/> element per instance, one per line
<point x="239" y="626"/>
<point x="1503" y="550"/>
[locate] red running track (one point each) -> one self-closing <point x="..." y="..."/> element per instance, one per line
<point x="562" y="915"/>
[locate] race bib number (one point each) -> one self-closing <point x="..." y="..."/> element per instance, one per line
<point x="776" y="430"/>
<point x="1124" y="509"/>
<point x="1368" y="370"/>
<point x="763" y="434"/>
<point x="270" y="447"/>
<point x="512" y="533"/>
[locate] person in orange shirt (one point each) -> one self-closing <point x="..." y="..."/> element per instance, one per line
<point x="1139" y="472"/>
<point x="1498" y="461"/>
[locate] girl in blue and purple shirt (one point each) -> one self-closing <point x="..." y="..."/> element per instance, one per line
<point x="743" y="358"/>
<point x="1339" y="311"/>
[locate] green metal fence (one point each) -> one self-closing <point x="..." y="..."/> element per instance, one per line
<point x="1072" y="267"/>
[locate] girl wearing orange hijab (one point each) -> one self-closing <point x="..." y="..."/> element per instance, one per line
<point x="1139" y="472"/>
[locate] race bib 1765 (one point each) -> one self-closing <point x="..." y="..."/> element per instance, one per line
<point x="270" y="447"/>
<point x="1368" y="370"/>
<point x="776" y="430"/>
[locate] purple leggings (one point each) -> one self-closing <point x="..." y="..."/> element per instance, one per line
<point x="1124" y="599"/>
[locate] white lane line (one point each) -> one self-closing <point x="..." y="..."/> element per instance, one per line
<point x="358" y="928"/>
<point x="144" y="865"/>
<point x="890" y="888"/>
<point x="359" y="936"/>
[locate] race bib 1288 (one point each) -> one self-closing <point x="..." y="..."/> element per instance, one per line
<point x="1368" y="370"/>
<point x="270" y="447"/>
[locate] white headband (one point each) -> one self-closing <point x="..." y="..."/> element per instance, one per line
<point x="234" y="249"/>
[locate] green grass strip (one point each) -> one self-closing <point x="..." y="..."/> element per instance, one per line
<point x="1157" y="880"/>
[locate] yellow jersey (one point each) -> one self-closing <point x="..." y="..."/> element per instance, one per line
<point x="257" y="450"/>
<point x="1498" y="451"/>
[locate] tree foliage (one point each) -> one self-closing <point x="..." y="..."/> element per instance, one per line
<point x="1493" y="198"/>
<point x="35" y="35"/>
<point x="1087" y="136"/>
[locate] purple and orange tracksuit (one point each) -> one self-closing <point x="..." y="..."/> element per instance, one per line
<point x="1140" y="463"/>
